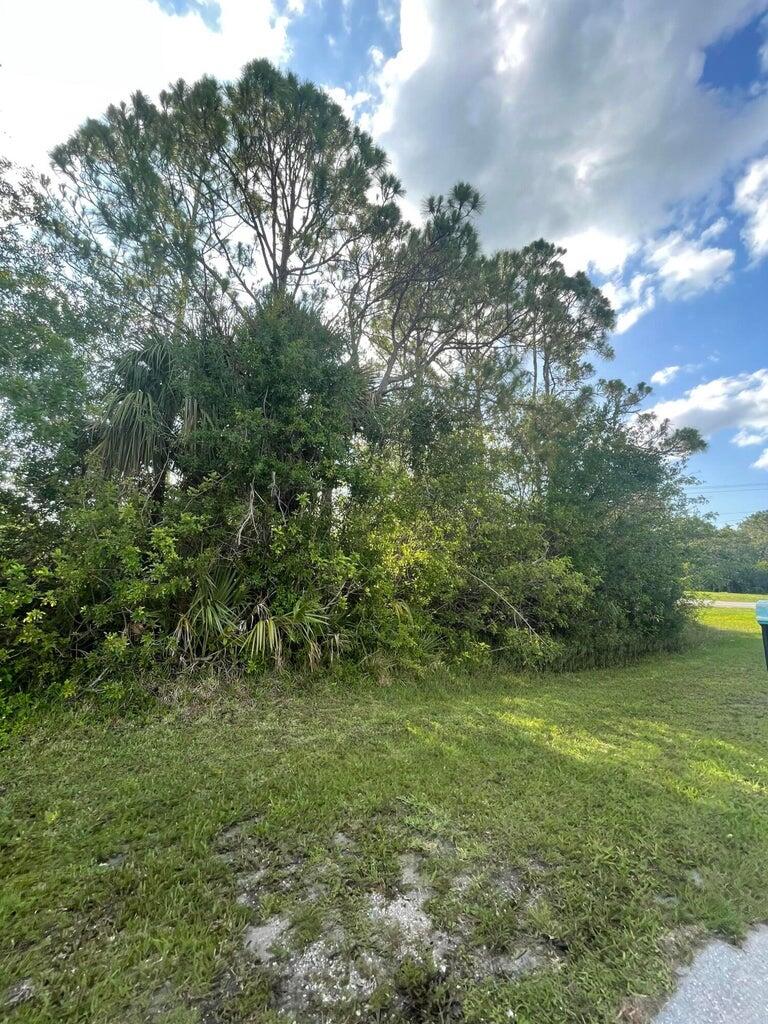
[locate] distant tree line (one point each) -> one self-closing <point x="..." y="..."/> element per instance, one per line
<point x="251" y="416"/>
<point x="729" y="558"/>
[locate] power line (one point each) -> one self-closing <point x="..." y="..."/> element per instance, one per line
<point x="735" y="515"/>
<point x="726" y="487"/>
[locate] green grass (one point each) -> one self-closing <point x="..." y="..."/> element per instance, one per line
<point x="629" y="805"/>
<point x="721" y="595"/>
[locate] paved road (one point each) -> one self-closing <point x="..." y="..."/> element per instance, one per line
<point x="724" y="985"/>
<point x="729" y="604"/>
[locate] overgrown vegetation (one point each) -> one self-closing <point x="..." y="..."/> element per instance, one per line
<point x="252" y="417"/>
<point x="591" y="828"/>
<point x="732" y="559"/>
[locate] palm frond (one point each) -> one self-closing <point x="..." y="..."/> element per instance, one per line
<point x="304" y="631"/>
<point x="131" y="433"/>
<point x="212" y="617"/>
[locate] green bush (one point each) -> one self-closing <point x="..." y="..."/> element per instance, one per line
<point x="251" y="418"/>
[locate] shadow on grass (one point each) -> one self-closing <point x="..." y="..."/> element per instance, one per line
<point x="640" y="792"/>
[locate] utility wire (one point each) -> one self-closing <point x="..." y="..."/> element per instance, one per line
<point x="726" y="487"/>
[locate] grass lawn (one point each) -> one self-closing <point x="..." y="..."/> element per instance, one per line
<point x="718" y="595"/>
<point x="560" y="841"/>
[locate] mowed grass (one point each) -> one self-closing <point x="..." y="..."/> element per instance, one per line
<point x="639" y="795"/>
<point x="721" y="595"/>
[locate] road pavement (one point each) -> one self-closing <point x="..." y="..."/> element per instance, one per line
<point x="724" y="985"/>
<point x="729" y="604"/>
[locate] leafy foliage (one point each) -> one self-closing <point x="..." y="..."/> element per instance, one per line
<point x="259" y="419"/>
<point x="733" y="559"/>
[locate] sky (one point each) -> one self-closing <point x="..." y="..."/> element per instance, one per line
<point x="632" y="132"/>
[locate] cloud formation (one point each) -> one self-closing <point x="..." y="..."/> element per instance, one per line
<point x="740" y="401"/>
<point x="630" y="300"/>
<point x="752" y="201"/>
<point x="586" y="122"/>
<point x="578" y="119"/>
<point x="676" y="266"/>
<point x="64" y="62"/>
<point x="665" y="375"/>
<point x="686" y="267"/>
<point x="582" y="121"/>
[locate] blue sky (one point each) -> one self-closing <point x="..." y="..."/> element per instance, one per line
<point x="634" y="132"/>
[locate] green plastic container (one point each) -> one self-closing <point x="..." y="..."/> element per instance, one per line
<point x="761" y="611"/>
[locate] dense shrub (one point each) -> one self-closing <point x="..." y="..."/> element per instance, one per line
<point x="730" y="558"/>
<point x="253" y="418"/>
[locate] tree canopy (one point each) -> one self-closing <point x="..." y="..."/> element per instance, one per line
<point x="729" y="558"/>
<point x="254" y="416"/>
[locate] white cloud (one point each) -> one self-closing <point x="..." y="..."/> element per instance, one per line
<point x="744" y="439"/>
<point x="631" y="300"/>
<point x="687" y="267"/>
<point x="725" y="403"/>
<point x="620" y="295"/>
<point x="751" y="199"/>
<point x="579" y="120"/>
<point x="714" y="230"/>
<point x="387" y="11"/>
<point x="675" y="265"/>
<point x="630" y="316"/>
<point x="738" y="401"/>
<point x="604" y="251"/>
<point x="415" y="48"/>
<point x="64" y="62"/>
<point x="582" y="121"/>
<point x="348" y="101"/>
<point x="665" y="375"/>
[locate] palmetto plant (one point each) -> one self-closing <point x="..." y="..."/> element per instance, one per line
<point x="140" y="420"/>
<point x="220" y="623"/>
<point x="305" y="629"/>
<point x="148" y="416"/>
<point x="211" y="620"/>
